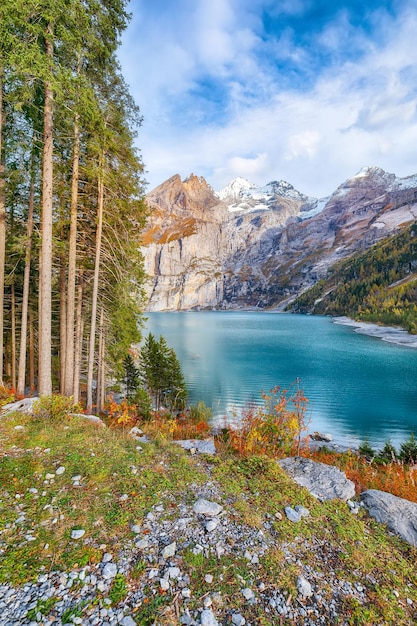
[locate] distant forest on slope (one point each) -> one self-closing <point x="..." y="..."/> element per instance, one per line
<point x="377" y="286"/>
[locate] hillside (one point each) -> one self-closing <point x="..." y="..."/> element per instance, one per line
<point x="98" y="528"/>
<point x="260" y="247"/>
<point x="379" y="285"/>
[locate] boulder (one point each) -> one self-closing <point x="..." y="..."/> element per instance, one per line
<point x="22" y="406"/>
<point x="202" y="446"/>
<point x="398" y="514"/>
<point x="324" y="482"/>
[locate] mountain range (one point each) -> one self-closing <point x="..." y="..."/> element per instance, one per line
<point x="250" y="247"/>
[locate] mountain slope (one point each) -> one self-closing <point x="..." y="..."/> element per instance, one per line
<point x="250" y="246"/>
<point x="377" y="286"/>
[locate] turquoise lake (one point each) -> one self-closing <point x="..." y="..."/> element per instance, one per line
<point x="358" y="387"/>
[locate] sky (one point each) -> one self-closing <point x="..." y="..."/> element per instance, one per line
<point x="306" y="91"/>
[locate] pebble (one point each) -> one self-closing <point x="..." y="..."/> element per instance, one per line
<point x="248" y="594"/>
<point x="208" y="578"/>
<point x="77" y="534"/>
<point x="60" y="470"/>
<point x="302" y="510"/>
<point x="292" y="515"/>
<point x="169" y="551"/>
<point x="304" y="587"/>
<point x="208" y="618"/>
<point x="207" y="508"/>
<point x="109" y="571"/>
<point x="238" y="619"/>
<point x="212" y="524"/>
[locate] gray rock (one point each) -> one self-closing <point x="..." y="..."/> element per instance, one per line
<point x="94" y="419"/>
<point x="248" y="594"/>
<point x="304" y="587"/>
<point x="77" y="534"/>
<point x="238" y="619"/>
<point x="208" y="618"/>
<point x="128" y="621"/>
<point x="60" y="470"/>
<point x="321" y="437"/>
<point x="325" y="482"/>
<point x="207" y="508"/>
<point x="109" y="571"/>
<point x="203" y="446"/>
<point x="22" y="406"/>
<point x="292" y="515"/>
<point x="398" y="514"/>
<point x="142" y="544"/>
<point x="169" y="551"/>
<point x="212" y="524"/>
<point x="302" y="510"/>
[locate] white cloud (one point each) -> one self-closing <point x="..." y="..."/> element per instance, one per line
<point x="362" y="112"/>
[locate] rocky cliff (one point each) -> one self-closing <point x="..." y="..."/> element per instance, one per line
<point x="249" y="246"/>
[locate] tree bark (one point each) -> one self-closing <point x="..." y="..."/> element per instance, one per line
<point x="31" y="353"/>
<point x="91" y="349"/>
<point x="100" y="365"/>
<point x="21" y="377"/>
<point x="62" y="321"/>
<point x="79" y="331"/>
<point x="45" y="262"/>
<point x="2" y="227"/>
<point x="13" y="337"/>
<point x="68" y="389"/>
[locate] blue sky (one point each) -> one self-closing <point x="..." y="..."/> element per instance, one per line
<point x="307" y="91"/>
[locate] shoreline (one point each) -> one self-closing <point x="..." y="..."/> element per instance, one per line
<point x="389" y="334"/>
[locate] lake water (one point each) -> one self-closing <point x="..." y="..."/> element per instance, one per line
<point x="358" y="387"/>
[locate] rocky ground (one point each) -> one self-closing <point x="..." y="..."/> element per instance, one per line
<point x="237" y="543"/>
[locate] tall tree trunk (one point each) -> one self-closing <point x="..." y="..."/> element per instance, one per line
<point x="31" y="353"/>
<point x="2" y="227"/>
<point x="100" y="366"/>
<point x="25" y="302"/>
<point x="68" y="389"/>
<point x="13" y="337"/>
<point x="91" y="349"/>
<point x="62" y="321"/>
<point x="79" y="330"/>
<point x="45" y="262"/>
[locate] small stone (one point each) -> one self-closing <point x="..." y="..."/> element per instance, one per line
<point x="208" y="618"/>
<point x="109" y="571"/>
<point x="174" y="573"/>
<point x="33" y="490"/>
<point x="212" y="524"/>
<point x="42" y="578"/>
<point x="186" y="593"/>
<point x="302" y="510"/>
<point x="164" y="584"/>
<point x="207" y="602"/>
<point x="76" y="478"/>
<point x="238" y="619"/>
<point x="278" y="515"/>
<point x="142" y="544"/>
<point x="217" y="598"/>
<point x="207" y="508"/>
<point x="77" y="534"/>
<point x="135" y="529"/>
<point x="169" y="551"/>
<point x="60" y="470"/>
<point x="304" y="587"/>
<point x="123" y="498"/>
<point x="220" y="550"/>
<point x="292" y="515"/>
<point x="106" y="558"/>
<point x="19" y="427"/>
<point x="49" y="476"/>
<point x="208" y="578"/>
<point x="248" y="594"/>
<point x="128" y="621"/>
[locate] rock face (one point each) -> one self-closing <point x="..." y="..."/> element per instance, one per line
<point x="398" y="514"/>
<point x="257" y="247"/>
<point x="325" y="482"/>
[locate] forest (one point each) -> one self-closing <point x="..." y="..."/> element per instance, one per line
<point x="377" y="286"/>
<point x="71" y="198"/>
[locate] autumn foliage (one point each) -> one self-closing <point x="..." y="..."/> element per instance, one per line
<point x="276" y="428"/>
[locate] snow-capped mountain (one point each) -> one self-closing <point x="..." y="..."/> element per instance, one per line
<point x="251" y="246"/>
